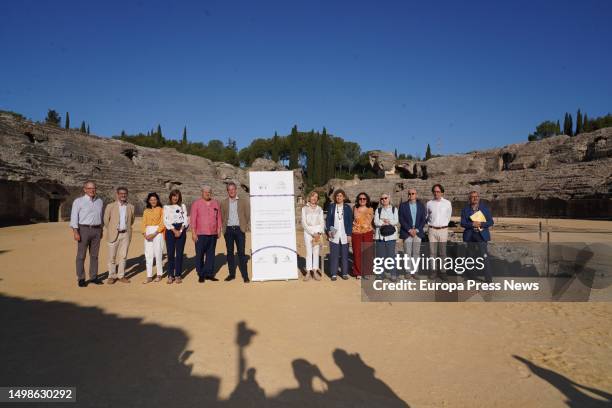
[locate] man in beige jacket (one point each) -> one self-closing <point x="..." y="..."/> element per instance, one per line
<point x="118" y="221"/>
<point x="236" y="218"/>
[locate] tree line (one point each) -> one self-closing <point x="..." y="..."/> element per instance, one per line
<point x="214" y="150"/>
<point x="583" y="124"/>
<point x="54" y="119"/>
<point x="319" y="154"/>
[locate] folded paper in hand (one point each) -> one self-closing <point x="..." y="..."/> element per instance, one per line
<point x="478" y="216"/>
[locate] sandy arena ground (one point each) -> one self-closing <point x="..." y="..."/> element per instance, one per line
<point x="130" y="345"/>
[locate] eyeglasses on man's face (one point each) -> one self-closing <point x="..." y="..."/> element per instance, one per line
<point x="411" y="194"/>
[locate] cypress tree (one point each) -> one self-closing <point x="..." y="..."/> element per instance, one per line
<point x="325" y="157"/>
<point x="275" y="148"/>
<point x="585" y="123"/>
<point x="332" y="159"/>
<point x="310" y="157"/>
<point x="67" y="126"/>
<point x="566" y="129"/>
<point x="578" y="122"/>
<point x="123" y="133"/>
<point x="88" y="128"/>
<point x="558" y="130"/>
<point x="294" y="149"/>
<point x="184" y="141"/>
<point x="570" y="125"/>
<point x="158" y="135"/>
<point x="428" y="152"/>
<point x="83" y="129"/>
<point x="318" y="164"/>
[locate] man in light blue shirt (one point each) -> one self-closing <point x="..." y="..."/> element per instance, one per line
<point x="412" y="220"/>
<point x="86" y="224"/>
<point x="413" y="210"/>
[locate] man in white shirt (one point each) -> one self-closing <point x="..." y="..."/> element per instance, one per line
<point x="86" y="224"/>
<point x="439" y="212"/>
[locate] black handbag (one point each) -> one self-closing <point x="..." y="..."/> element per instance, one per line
<point x="386" y="230"/>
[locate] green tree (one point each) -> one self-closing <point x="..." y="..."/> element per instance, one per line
<point x="309" y="147"/>
<point x="294" y="149"/>
<point x="123" y="134"/>
<point x="578" y="122"/>
<point x="184" y="140"/>
<point x="351" y="154"/>
<point x="600" y="122"/>
<point x="585" y="123"/>
<point x="67" y="123"/>
<point x="53" y="118"/>
<point x="428" y="152"/>
<point x="544" y="130"/>
<point x="318" y="157"/>
<point x="83" y="129"/>
<point x="326" y="158"/>
<point x="275" y="148"/>
<point x="567" y="124"/>
<point x="558" y="128"/>
<point x="88" y="128"/>
<point x="159" y="138"/>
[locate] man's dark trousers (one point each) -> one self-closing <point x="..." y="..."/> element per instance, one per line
<point x="232" y="235"/>
<point x="205" y="246"/>
<point x="478" y="247"/>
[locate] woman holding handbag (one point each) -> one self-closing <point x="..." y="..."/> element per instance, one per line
<point x="386" y="220"/>
<point x="314" y="226"/>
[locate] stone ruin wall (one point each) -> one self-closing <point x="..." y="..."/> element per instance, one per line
<point x="42" y="169"/>
<point x="560" y="176"/>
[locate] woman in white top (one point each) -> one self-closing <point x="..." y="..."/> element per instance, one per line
<point x="386" y="221"/>
<point x="314" y="226"/>
<point x="176" y="222"/>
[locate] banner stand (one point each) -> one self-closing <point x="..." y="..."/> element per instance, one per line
<point x="273" y="232"/>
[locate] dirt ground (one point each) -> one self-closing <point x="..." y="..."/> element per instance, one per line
<point x="286" y="343"/>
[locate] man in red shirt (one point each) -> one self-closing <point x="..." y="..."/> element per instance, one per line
<point x="205" y="220"/>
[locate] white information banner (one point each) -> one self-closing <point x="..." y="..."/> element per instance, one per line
<point x="273" y="246"/>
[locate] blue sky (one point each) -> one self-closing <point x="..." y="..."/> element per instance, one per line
<point x="459" y="75"/>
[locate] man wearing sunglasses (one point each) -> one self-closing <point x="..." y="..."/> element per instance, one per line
<point x="412" y="218"/>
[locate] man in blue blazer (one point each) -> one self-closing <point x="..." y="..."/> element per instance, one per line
<point x="475" y="233"/>
<point x="412" y="218"/>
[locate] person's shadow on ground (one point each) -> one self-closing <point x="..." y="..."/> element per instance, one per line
<point x="123" y="362"/>
<point x="574" y="392"/>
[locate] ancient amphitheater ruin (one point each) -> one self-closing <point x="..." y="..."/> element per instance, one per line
<point x="42" y="169"/>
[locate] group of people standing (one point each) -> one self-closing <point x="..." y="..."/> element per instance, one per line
<point x="368" y="231"/>
<point x="375" y="232"/>
<point x="162" y="225"/>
